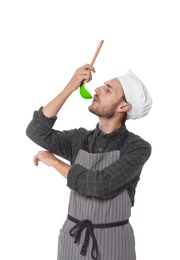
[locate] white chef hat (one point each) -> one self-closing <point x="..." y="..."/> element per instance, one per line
<point x="136" y="94"/>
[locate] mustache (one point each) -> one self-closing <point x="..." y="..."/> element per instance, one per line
<point x="95" y="97"/>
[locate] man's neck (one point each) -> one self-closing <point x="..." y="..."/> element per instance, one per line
<point x="108" y="125"/>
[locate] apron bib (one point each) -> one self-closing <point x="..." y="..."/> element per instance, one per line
<point x="112" y="243"/>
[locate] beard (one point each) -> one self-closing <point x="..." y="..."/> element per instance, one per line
<point x="103" y="111"/>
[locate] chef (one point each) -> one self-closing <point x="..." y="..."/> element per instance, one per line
<point x="104" y="167"/>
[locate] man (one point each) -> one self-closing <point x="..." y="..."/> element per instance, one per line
<point x="105" y="166"/>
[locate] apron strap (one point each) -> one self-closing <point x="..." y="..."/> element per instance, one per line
<point x="84" y="142"/>
<point x="81" y="225"/>
<point x="122" y="140"/>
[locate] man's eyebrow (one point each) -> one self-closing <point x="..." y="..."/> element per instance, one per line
<point x="108" y="85"/>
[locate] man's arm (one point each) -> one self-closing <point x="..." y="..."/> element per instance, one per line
<point x="62" y="143"/>
<point x="82" y="74"/>
<point x="52" y="161"/>
<point x="40" y="131"/>
<point x="110" y="181"/>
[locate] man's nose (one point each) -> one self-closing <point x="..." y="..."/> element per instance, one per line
<point x="98" y="90"/>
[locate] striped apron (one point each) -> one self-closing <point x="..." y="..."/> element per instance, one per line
<point x="97" y="228"/>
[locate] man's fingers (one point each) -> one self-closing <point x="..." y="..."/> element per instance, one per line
<point x="87" y="76"/>
<point x="88" y="67"/>
<point x="36" y="160"/>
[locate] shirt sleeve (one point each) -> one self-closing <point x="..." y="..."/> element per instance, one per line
<point x="118" y="176"/>
<point x="62" y="143"/>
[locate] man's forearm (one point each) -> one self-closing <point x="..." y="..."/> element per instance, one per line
<point x="82" y="74"/>
<point x="62" y="167"/>
<point x="51" y="160"/>
<point x="53" y="107"/>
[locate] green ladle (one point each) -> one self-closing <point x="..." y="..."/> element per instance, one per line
<point x="83" y="91"/>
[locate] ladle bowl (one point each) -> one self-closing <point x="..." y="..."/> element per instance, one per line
<point x="84" y="93"/>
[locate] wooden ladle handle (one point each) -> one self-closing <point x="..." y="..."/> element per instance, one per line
<point x="96" y="53"/>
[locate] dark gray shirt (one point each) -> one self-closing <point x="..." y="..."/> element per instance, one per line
<point x="106" y="183"/>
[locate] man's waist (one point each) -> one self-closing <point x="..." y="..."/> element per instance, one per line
<point x="100" y="225"/>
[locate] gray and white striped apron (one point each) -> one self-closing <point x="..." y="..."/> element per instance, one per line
<point x="114" y="243"/>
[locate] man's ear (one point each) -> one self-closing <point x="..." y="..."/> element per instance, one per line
<point x="124" y="107"/>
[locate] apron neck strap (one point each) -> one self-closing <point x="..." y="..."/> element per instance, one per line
<point x="122" y="140"/>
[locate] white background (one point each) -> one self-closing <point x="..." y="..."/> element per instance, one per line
<point x="41" y="45"/>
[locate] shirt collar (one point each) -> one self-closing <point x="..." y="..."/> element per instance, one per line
<point x="113" y="134"/>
